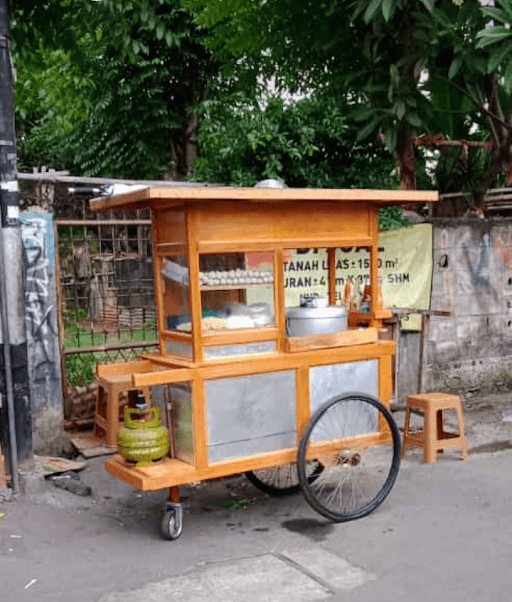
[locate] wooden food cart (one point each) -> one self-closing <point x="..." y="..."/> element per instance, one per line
<point x="290" y="411"/>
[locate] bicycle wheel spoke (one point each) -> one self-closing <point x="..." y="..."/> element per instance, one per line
<point x="358" y="474"/>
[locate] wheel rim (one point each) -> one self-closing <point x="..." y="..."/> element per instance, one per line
<point x="356" y="440"/>
<point x="280" y="480"/>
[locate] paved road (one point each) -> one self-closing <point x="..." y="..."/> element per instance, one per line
<point x="444" y="533"/>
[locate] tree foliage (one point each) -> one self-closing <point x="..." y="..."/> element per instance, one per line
<point x="308" y="142"/>
<point x="113" y="87"/>
<point x="136" y="71"/>
<point x="398" y="58"/>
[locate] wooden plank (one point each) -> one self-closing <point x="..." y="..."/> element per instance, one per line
<point x="314" y="357"/>
<point x="283" y="221"/>
<point x="279" y="298"/>
<point x="171" y="229"/>
<point x="239" y="366"/>
<point x="234" y="287"/>
<point x="162" y="377"/>
<point x="338" y="339"/>
<point x="357" y="442"/>
<point x="374" y="276"/>
<point x="161" y="196"/>
<point x="90" y="446"/>
<point x="159" y="287"/>
<point x="171" y="248"/>
<point x="120" y="368"/>
<point x="228" y="245"/>
<point x="356" y="318"/>
<point x="303" y="399"/>
<point x="266" y="460"/>
<point x="52" y="465"/>
<point x="240" y="336"/>
<point x="167" y="360"/>
<point x="195" y="287"/>
<point x="169" y="472"/>
<point x="331" y="267"/>
<point x="178" y="336"/>
<point x="248" y="222"/>
<point x="385" y="379"/>
<point x="138" y="198"/>
<point x="200" y="424"/>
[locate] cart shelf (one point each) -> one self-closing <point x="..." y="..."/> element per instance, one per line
<point x="231" y="287"/>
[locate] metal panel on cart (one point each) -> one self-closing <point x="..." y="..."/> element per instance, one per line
<point x="248" y="415"/>
<point x="180" y="396"/>
<point x="329" y="381"/>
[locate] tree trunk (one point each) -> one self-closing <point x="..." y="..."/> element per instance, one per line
<point x="407" y="159"/>
<point x="184" y="149"/>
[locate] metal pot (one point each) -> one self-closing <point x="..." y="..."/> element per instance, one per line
<point x="304" y="321"/>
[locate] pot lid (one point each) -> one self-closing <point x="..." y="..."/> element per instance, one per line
<point x="307" y="313"/>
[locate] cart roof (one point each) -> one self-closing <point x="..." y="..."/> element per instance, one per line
<point x="164" y="196"/>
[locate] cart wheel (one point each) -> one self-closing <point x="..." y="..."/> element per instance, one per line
<point x="356" y="440"/>
<point x="281" y="480"/>
<point x="172" y="522"/>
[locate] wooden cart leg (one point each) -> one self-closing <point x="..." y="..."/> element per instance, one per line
<point x="174" y="494"/>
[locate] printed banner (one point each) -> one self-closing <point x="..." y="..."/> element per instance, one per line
<point x="405" y="269"/>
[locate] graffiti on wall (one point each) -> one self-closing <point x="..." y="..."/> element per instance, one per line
<point x="479" y="271"/>
<point x="503" y="250"/>
<point x="40" y="306"/>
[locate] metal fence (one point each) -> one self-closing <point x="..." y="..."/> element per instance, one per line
<point x="104" y="276"/>
<point x="107" y="305"/>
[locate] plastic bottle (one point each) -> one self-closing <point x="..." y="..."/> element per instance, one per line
<point x="357" y="295"/>
<point x="367" y="290"/>
<point x="380" y="301"/>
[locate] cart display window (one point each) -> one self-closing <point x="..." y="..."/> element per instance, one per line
<point x="176" y="292"/>
<point x="237" y="291"/>
<point x="353" y="274"/>
<point x="306" y="275"/>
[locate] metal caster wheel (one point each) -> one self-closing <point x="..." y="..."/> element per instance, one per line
<point x="172" y="521"/>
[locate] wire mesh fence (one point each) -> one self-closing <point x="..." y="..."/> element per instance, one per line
<point x="105" y="283"/>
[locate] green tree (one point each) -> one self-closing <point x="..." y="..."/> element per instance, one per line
<point x="373" y="50"/>
<point x="131" y="76"/>
<point x="400" y="60"/>
<point x="308" y="142"/>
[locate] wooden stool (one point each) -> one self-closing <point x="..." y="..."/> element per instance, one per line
<point x="433" y="438"/>
<point x="114" y="380"/>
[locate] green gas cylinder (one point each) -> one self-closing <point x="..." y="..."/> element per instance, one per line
<point x="143" y="439"/>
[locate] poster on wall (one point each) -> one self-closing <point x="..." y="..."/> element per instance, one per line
<point x="405" y="270"/>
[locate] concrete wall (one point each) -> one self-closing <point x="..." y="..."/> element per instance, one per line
<point x="471" y="349"/>
<point x="42" y="332"/>
<point x="472" y="279"/>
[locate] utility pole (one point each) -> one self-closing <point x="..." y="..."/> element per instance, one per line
<point x="14" y="385"/>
